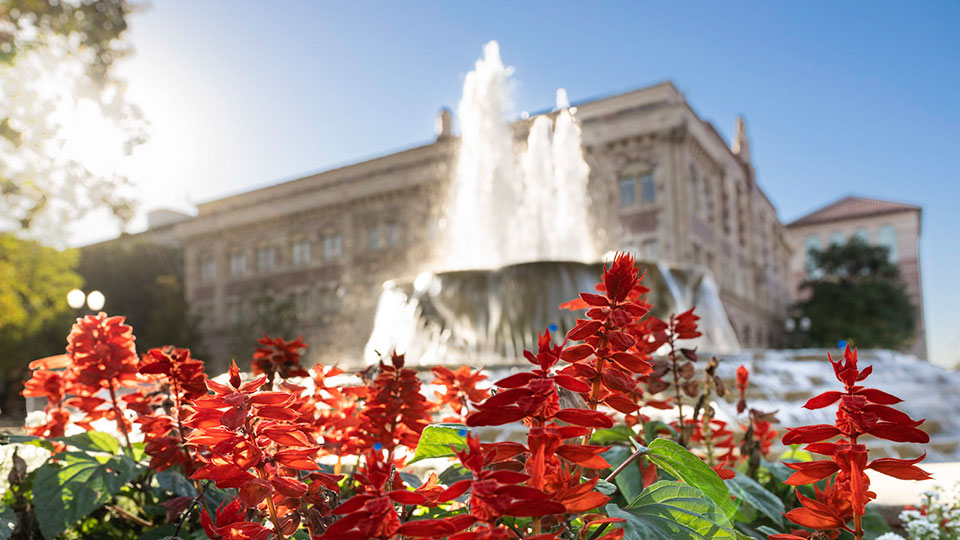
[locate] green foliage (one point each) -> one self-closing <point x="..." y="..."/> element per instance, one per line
<point x="34" y="316"/>
<point x="684" y="465"/>
<point x="143" y="280"/>
<point x="97" y="23"/>
<point x="749" y="491"/>
<point x="629" y="482"/>
<point x="67" y="490"/>
<point x="92" y="441"/>
<point x="8" y="522"/>
<point x="440" y="440"/>
<point x="673" y="511"/>
<point x="857" y="294"/>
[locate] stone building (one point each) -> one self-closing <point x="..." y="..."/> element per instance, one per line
<point x="891" y="224"/>
<point x="665" y="185"/>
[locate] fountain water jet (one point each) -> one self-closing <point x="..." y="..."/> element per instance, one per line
<point x="505" y="210"/>
<point x="517" y="242"/>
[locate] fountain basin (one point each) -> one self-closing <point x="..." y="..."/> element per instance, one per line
<point x="489" y="317"/>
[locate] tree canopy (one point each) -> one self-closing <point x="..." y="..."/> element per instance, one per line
<point x="65" y="125"/>
<point x="143" y="281"/>
<point x="34" y="316"/>
<point x="857" y="294"/>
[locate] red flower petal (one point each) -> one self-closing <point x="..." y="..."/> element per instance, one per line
<point x="810" y="434"/>
<point x="899" y="433"/>
<point x="577" y="352"/>
<point x="879" y="396"/>
<point x="406" y="497"/>
<point x="571" y="383"/>
<point x="585" y="417"/>
<point x="495" y="417"/>
<point x="904" y="469"/>
<point x="823" y="400"/>
<point x="810" y="471"/>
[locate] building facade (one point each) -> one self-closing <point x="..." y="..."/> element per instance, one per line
<point x="664" y="184"/>
<point x="894" y="225"/>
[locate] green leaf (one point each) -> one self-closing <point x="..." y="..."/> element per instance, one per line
<point x="176" y="483"/>
<point x="26" y="439"/>
<point x="8" y="522"/>
<point x="66" y="493"/>
<point x="616" y="434"/>
<point x="763" y="529"/>
<point x="160" y="533"/>
<point x="629" y="481"/>
<point x="748" y="490"/>
<point x="672" y="511"/>
<point x="439" y="440"/>
<point x="453" y="474"/>
<point x="684" y="465"/>
<point x="92" y="441"/>
<point x="874" y="524"/>
<point x="606" y="488"/>
<point x="652" y="429"/>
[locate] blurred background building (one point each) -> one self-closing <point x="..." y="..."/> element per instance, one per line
<point x="310" y="255"/>
<point x="893" y="225"/>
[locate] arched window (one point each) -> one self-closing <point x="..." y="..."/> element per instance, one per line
<point x="887" y="237"/>
<point x="837" y="238"/>
<point x="863" y="234"/>
<point x="811" y="244"/>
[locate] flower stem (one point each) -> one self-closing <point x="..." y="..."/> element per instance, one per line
<point x="120" y="421"/>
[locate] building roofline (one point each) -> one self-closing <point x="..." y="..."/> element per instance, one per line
<point x="893" y="208"/>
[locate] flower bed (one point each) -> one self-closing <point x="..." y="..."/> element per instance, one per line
<point x="295" y="453"/>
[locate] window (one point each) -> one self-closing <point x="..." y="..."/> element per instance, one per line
<point x="393" y="235"/>
<point x="301" y="253"/>
<point x="650" y="250"/>
<point x="862" y="234"/>
<point x="648" y="189"/>
<point x="694" y="187"/>
<point x="887" y="237"/>
<point x="332" y="247"/>
<point x="373" y="238"/>
<point x="837" y="238"/>
<point x="238" y="263"/>
<point x="708" y="200"/>
<point x="811" y="244"/>
<point x="628" y="195"/>
<point x="266" y="258"/>
<point x="208" y="269"/>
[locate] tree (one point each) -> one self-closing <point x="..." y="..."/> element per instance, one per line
<point x="856" y="294"/>
<point x="34" y="316"/>
<point x="65" y="125"/>
<point x="143" y="281"/>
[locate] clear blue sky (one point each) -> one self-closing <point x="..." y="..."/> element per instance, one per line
<point x="840" y="98"/>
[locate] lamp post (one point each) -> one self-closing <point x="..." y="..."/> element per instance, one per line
<point x="94" y="301"/>
<point x="792" y="325"/>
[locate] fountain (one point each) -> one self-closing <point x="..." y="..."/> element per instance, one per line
<point x="518" y="242"/>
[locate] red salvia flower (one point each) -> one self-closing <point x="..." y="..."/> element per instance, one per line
<point x="181" y="380"/>
<point x="49" y="381"/>
<point x="230" y="525"/>
<point x="102" y="357"/>
<point x="743" y="378"/>
<point x="498" y="493"/>
<point x="861" y="411"/>
<point x="533" y="395"/>
<point x="461" y="388"/>
<point x="395" y="411"/>
<point x="274" y="356"/>
<point x="245" y="430"/>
